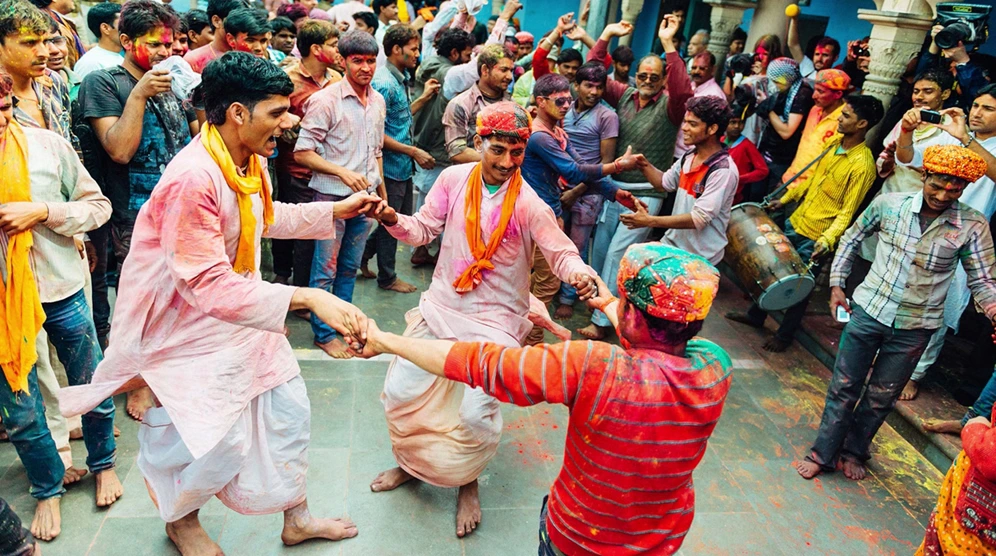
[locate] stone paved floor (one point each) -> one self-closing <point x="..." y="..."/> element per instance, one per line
<point x="749" y="499"/>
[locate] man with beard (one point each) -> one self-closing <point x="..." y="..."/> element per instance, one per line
<point x="197" y="324"/>
<point x="442" y="432"/>
<point x="217" y="11"/>
<point x="702" y="68"/>
<point x="830" y="87"/>
<point x="140" y="125"/>
<point x="825" y="53"/>
<point x="494" y="64"/>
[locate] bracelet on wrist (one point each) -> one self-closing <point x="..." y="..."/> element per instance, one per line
<point x="968" y="144"/>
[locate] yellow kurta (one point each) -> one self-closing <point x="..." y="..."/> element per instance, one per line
<point x="817" y="134"/>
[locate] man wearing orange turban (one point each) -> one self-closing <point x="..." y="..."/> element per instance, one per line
<point x="923" y="237"/>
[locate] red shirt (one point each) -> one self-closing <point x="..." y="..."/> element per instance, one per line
<point x="750" y="164"/>
<point x="639" y="424"/>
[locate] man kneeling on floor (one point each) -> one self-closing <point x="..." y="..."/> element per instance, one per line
<point x="195" y="321"/>
<point x="923" y="236"/>
<point x="640" y="415"/>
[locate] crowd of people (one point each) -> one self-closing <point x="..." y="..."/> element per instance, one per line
<point x="156" y="155"/>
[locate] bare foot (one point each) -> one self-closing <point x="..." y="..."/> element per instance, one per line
<point x="336" y="349"/>
<point x="910" y="391"/>
<point x="139" y="401"/>
<point x="564" y="312"/>
<point x="300" y="525"/>
<point x="853" y="470"/>
<point x="941" y="426"/>
<point x="365" y="271"/>
<point x="776" y="345"/>
<point x="592" y="332"/>
<point x="400" y="286"/>
<point x="421" y="256"/>
<point x="73" y="475"/>
<point x="117" y="431"/>
<point x="190" y="538"/>
<point x="468" y="509"/>
<point x="390" y="480"/>
<point x="47" y="523"/>
<point x="109" y="488"/>
<point x="77" y="433"/>
<point x="808" y="469"/>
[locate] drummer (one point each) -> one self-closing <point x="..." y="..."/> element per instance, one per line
<point x="923" y="237"/>
<point x="704" y="179"/>
<point x="827" y="200"/>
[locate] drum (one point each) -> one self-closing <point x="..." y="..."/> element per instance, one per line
<point x="764" y="259"/>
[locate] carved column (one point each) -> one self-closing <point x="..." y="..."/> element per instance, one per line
<point x="630" y="12"/>
<point x="725" y="16"/>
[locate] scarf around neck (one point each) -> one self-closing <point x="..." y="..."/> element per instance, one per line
<point x="245" y="187"/>
<point x="20" y="305"/>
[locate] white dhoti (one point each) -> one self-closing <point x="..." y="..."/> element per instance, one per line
<point x="259" y="467"/>
<point x="442" y="432"/>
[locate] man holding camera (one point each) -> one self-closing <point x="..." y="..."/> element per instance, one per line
<point x="949" y="41"/>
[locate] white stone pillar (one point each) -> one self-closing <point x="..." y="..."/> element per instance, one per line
<point x="769" y="19"/>
<point x="724" y="17"/>
<point x="895" y="38"/>
<point x="630" y="12"/>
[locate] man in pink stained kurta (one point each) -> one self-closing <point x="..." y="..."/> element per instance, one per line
<point x="196" y="323"/>
<point x="442" y="432"/>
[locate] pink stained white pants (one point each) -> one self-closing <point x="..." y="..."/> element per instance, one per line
<point x="259" y="467"/>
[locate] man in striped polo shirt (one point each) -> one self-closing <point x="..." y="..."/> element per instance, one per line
<point x="640" y="416"/>
<point x="827" y="203"/>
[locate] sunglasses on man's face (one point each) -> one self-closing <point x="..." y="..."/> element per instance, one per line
<point x="651" y="77"/>
<point x="561" y="102"/>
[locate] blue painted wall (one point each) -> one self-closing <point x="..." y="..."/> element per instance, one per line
<point x="540" y="16"/>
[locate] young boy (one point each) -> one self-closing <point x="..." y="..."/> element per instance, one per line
<point x="745" y="155"/>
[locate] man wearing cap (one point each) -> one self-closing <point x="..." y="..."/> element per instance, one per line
<point x="821" y="122"/>
<point x="442" y="432"/>
<point x="923" y="237"/>
<point x="526" y="41"/>
<point x="640" y="415"/>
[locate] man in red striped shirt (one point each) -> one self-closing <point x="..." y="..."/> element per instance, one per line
<point x="640" y="415"/>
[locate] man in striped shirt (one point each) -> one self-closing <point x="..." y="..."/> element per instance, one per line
<point x="827" y="201"/>
<point x="923" y="237"/>
<point x="640" y="416"/>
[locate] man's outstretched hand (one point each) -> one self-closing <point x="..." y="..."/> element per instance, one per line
<point x="357" y="204"/>
<point x="342" y="316"/>
<point x="387" y="216"/>
<point x="584" y="284"/>
<point x="372" y="346"/>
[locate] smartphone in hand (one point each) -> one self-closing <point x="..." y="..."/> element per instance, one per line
<point x="842" y="314"/>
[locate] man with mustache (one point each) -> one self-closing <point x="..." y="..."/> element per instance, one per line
<point x="494" y="64"/>
<point x="702" y="68"/>
<point x="345" y="123"/>
<point x="248" y="30"/>
<point x="831" y="85"/>
<point x="139" y="124"/>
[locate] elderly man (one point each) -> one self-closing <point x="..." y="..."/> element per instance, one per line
<point x="640" y="415"/>
<point x="923" y="237"/>
<point x="198" y="325"/>
<point x="441" y="432"/>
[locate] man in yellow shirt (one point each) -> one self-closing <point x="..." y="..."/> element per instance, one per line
<point x="827" y="203"/>
<point x="821" y="123"/>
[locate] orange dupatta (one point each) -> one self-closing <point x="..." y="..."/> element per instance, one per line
<point x="20" y="304"/>
<point x="471" y="277"/>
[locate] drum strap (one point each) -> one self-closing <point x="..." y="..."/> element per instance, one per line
<point x="774" y="194"/>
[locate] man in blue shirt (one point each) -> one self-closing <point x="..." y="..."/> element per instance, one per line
<point x="393" y="82"/>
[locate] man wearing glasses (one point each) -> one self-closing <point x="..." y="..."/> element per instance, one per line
<point x="649" y="117"/>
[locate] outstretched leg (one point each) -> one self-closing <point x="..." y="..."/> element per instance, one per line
<point x="300" y="525"/>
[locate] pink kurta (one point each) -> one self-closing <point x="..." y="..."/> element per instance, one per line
<point x="206" y="340"/>
<point x="497" y="310"/>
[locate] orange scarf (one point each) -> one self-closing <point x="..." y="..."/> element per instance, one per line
<point x="244" y="187"/>
<point x="20" y="305"/>
<point x="471" y="277"/>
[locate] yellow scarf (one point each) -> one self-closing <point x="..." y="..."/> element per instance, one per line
<point x="20" y="305"/>
<point x="255" y="181"/>
<point x="471" y="277"/>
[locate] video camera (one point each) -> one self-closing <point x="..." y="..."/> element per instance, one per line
<point x="966" y="23"/>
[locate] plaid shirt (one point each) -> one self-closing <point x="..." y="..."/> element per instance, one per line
<point x="912" y="271"/>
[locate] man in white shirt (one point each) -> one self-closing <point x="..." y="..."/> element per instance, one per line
<point x="102" y="20"/>
<point x="343" y="12"/>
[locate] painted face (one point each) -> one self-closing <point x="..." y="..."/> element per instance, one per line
<point x="500" y="76"/>
<point x="58" y="51"/>
<point x="940" y="193"/>
<point x="410" y="54"/>
<point x="694" y="130"/>
<point x="6" y="111"/>
<point x="824" y="96"/>
<point x="328" y="53"/>
<point x="269" y="119"/>
<point x="253" y="44"/>
<point x="24" y="54"/>
<point x="198" y="40"/>
<point x="650" y="77"/>
<point x="569" y="69"/>
<point x="556" y="105"/>
<point x="181" y="45"/>
<point x="360" y="68"/>
<point x="761" y="59"/>
<point x="702" y="70"/>
<point x="590" y="93"/>
<point x="982" y="116"/>
<point x="500" y="157"/>
<point x="824" y="57"/>
<point x="284" y="41"/>
<point x="927" y="95"/>
<point x="150" y="49"/>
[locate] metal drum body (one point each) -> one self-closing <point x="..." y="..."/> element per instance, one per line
<point x="764" y="260"/>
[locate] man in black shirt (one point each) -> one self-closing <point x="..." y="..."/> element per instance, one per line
<point x="785" y="113"/>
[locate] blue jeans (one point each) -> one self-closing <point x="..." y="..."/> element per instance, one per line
<point x="983" y="406"/>
<point x="70" y="328"/>
<point x="851" y="419"/>
<point x="336" y="261"/>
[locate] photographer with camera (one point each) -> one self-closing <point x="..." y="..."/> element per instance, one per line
<point x="857" y="61"/>
<point x="950" y="41"/>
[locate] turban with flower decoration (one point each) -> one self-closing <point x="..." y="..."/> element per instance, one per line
<point x="667" y="282"/>
<point x="954" y="160"/>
